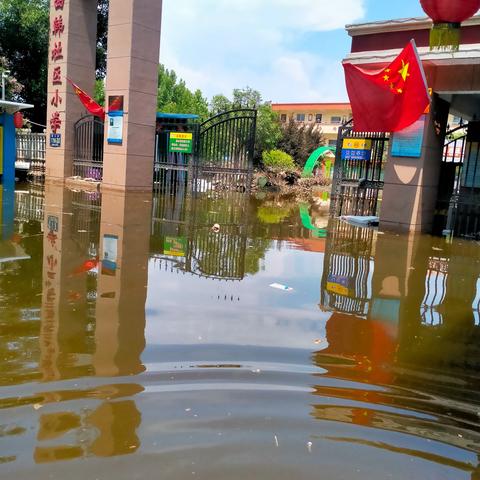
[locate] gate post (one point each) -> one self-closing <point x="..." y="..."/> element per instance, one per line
<point x="132" y="73"/>
<point x="411" y="184"/>
<point x="73" y="29"/>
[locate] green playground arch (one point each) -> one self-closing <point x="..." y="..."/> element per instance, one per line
<point x="307" y="221"/>
<point x="313" y="159"/>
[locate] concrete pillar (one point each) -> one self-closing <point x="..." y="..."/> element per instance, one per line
<point x="73" y="28"/>
<point x="411" y="184"/>
<point x="132" y="72"/>
<point x="122" y="283"/>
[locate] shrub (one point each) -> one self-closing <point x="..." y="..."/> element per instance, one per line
<point x="278" y="160"/>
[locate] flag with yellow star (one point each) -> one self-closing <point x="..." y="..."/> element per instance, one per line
<point x="390" y="99"/>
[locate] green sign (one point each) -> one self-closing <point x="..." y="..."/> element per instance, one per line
<point x="180" y="142"/>
<point x="175" y="246"/>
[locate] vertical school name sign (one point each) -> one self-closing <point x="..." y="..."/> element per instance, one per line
<point x="57" y="30"/>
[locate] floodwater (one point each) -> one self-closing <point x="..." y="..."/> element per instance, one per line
<point x="138" y="343"/>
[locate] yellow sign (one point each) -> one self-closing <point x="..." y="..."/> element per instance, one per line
<point x="180" y="142"/>
<point x="357" y="144"/>
<point x="1" y="150"/>
<point x="181" y="136"/>
<point x="338" y="289"/>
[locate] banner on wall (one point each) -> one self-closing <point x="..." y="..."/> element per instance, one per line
<point x="115" y="119"/>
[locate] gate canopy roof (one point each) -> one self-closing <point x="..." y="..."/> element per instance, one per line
<point x="12" y="107"/>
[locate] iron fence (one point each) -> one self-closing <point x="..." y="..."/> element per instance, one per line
<point x="31" y="151"/>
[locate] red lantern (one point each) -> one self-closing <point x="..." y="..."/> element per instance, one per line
<point x="447" y="16"/>
<point x="18" y="120"/>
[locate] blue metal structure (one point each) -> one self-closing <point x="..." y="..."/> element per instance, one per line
<point x="8" y="151"/>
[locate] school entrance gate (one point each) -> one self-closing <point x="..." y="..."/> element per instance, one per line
<point x="215" y="154"/>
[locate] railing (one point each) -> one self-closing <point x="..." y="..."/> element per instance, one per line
<point x="31" y="149"/>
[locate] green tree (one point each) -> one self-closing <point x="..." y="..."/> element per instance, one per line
<point x="219" y="104"/>
<point x="269" y="131"/>
<point x="246" y="98"/>
<point x="268" y="125"/>
<point x="175" y="97"/>
<point x="24" y="27"/>
<point x="99" y="95"/>
<point x="300" y="141"/>
<point x="102" y="38"/>
<point x="24" y="42"/>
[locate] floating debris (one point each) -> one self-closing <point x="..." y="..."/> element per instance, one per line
<point x="279" y="286"/>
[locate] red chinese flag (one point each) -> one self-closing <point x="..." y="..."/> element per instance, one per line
<point x="391" y="99"/>
<point x="90" y="104"/>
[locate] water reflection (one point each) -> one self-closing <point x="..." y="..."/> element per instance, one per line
<point x="132" y="329"/>
<point x="404" y="317"/>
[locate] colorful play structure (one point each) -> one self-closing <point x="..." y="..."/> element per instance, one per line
<point x="326" y="153"/>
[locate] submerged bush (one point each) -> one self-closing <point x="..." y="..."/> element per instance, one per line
<point x="278" y="160"/>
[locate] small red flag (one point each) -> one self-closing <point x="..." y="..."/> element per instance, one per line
<point x="90" y="104"/>
<point x="391" y="99"/>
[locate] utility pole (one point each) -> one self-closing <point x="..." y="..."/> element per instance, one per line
<point x="4" y="76"/>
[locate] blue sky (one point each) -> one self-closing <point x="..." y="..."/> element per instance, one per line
<point x="289" y="50"/>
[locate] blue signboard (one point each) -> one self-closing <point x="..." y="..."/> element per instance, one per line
<point x="408" y="142"/>
<point x="55" y="140"/>
<point x="353" y="154"/>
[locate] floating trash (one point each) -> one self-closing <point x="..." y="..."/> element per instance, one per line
<point x="279" y="286"/>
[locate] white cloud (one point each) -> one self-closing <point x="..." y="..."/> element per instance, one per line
<point x="218" y="45"/>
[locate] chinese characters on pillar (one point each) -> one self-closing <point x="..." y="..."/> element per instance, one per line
<point x="56" y="55"/>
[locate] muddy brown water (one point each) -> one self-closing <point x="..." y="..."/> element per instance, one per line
<point x="137" y="342"/>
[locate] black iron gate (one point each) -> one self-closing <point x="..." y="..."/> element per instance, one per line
<point x="226" y="149"/>
<point x="88" y="148"/>
<point x="358" y="180"/>
<point x="221" y="155"/>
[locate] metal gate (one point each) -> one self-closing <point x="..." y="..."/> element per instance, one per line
<point x="88" y="148"/>
<point x="458" y="203"/>
<point x="226" y="149"/>
<point x="358" y="183"/>
<point x="221" y="157"/>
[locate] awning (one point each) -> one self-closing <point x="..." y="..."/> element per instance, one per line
<point x="12" y="107"/>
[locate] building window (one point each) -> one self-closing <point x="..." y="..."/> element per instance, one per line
<point x="336" y="120"/>
<point x="283" y="117"/>
<point x="310" y="117"/>
<point x="300" y="117"/>
<point x="332" y="143"/>
<point x="318" y="118"/>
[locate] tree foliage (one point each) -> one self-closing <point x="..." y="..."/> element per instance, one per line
<point x="102" y="38"/>
<point x="175" y="97"/>
<point x="268" y="125"/>
<point x="278" y="160"/>
<point x="24" y="27"/>
<point x="24" y="42"/>
<point x="300" y="141"/>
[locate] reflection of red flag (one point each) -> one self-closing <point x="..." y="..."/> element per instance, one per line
<point x="86" y="266"/>
<point x="391" y="99"/>
<point x="90" y="104"/>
